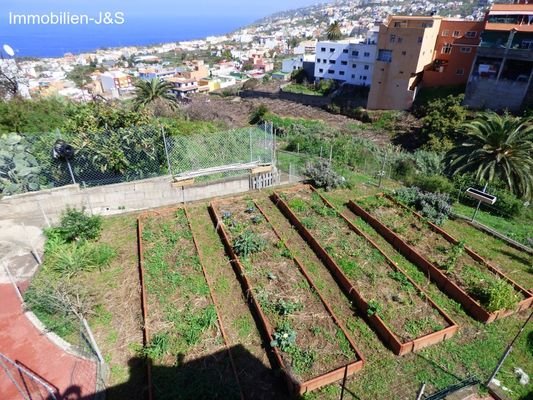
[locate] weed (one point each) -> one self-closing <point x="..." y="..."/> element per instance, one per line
<point x="309" y="222"/>
<point x="415" y="327"/>
<point x="256" y="219"/>
<point x="374" y="308"/>
<point x="158" y="346"/>
<point x="286" y="307"/>
<point x="491" y="291"/>
<point x="69" y="259"/>
<point x="243" y="326"/>
<point x="298" y="205"/>
<point x="76" y="225"/>
<point x="248" y="243"/>
<point x="301" y="360"/>
<point x="402" y="279"/>
<point x="454" y="252"/>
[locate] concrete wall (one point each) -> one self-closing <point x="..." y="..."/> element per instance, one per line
<point x="111" y="199"/>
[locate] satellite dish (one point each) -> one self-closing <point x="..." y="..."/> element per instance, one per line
<point x="9" y="50"/>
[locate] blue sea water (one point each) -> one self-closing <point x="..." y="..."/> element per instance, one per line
<point x="56" y="40"/>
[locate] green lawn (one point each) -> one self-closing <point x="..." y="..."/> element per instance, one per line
<point x="302" y="89"/>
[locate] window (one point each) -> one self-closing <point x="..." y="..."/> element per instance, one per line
<point x="353" y="76"/>
<point x="471" y="34"/>
<point x="404" y="53"/>
<point x="456" y="34"/>
<point x="392" y="38"/>
<point x="362" y="77"/>
<point x="345" y="51"/>
<point x="399" y="40"/>
<point x="331" y="71"/>
<point x="401" y="72"/>
<point x="294" y="68"/>
<point x="321" y="70"/>
<point x="385" y="55"/>
<point x="460" y="71"/>
<point x="446" y="33"/>
<point x="366" y="54"/>
<point x="355" y="53"/>
<point x="344" y="62"/>
<point x="367" y="67"/>
<point x="341" y="72"/>
<point x="397" y="24"/>
<point x="466" y="49"/>
<point x="446" y="49"/>
<point x="318" y="60"/>
<point x="323" y="49"/>
<point x="332" y="50"/>
<point x="354" y="65"/>
<point x="332" y="61"/>
<point x="420" y="38"/>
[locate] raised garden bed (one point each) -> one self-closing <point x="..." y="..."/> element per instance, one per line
<point x="396" y="308"/>
<point x="484" y="291"/>
<point x="187" y="354"/>
<point x="307" y="341"/>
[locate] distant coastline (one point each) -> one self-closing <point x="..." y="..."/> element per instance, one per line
<point x="55" y="41"/>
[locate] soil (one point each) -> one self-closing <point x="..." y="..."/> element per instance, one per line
<point x="256" y="377"/>
<point x="275" y="277"/>
<point x="193" y="369"/>
<point x="405" y="311"/>
<point x="418" y="234"/>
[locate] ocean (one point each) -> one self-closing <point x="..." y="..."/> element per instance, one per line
<point x="56" y="40"/>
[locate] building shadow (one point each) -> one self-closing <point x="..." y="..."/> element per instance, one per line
<point x="210" y="377"/>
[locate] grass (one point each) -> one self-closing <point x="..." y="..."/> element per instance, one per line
<point x="302" y="89"/>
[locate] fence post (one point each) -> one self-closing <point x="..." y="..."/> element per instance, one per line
<point x="166" y="151"/>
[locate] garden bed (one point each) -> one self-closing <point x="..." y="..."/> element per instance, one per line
<point x="485" y="292"/>
<point x="187" y="355"/>
<point x="307" y="341"/>
<point x="401" y="313"/>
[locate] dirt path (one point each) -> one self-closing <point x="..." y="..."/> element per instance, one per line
<point x="253" y="367"/>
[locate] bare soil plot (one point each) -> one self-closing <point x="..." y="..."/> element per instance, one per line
<point x="188" y="353"/>
<point x="483" y="290"/>
<point x="311" y="347"/>
<point x="396" y="307"/>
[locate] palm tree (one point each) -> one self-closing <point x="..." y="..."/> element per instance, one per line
<point x="154" y="91"/>
<point x="496" y="147"/>
<point x="334" y="31"/>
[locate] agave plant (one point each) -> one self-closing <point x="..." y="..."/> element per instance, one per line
<point x="19" y="170"/>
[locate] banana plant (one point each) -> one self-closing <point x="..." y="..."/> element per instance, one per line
<point x="19" y="170"/>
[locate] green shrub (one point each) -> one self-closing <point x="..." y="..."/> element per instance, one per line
<point x="258" y="114"/>
<point x="158" y="346"/>
<point x="323" y="176"/>
<point x="374" y="308"/>
<point x="434" y="206"/>
<point x="434" y="183"/>
<point x="492" y="292"/>
<point x="286" y="307"/>
<point x="70" y="258"/>
<point x="298" y="205"/>
<point x="248" y="243"/>
<point x="76" y="225"/>
<point x="404" y="169"/>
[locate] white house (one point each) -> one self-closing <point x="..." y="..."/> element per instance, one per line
<point x="351" y="60"/>
<point x="292" y="64"/>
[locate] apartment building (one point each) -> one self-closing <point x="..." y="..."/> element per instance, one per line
<point x="405" y="47"/>
<point x="116" y="83"/>
<point x="502" y="73"/>
<point x="455" y="51"/>
<point x="350" y="61"/>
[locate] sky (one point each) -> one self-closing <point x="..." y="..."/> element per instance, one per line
<point x="136" y="8"/>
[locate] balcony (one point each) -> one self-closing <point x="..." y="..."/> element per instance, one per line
<point x="488" y="49"/>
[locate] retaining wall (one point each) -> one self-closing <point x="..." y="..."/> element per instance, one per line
<point x="37" y="207"/>
<point x="472" y="306"/>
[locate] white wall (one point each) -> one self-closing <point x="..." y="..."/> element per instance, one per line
<point x="345" y="61"/>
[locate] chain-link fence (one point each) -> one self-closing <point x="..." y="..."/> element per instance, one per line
<point x="220" y="155"/>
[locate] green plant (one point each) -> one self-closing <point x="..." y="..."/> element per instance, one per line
<point x="301" y="360"/>
<point x="298" y="205"/>
<point x="286" y="307"/>
<point x="248" y="243"/>
<point x="77" y="225"/>
<point x="434" y="206"/>
<point x="258" y="114"/>
<point x="71" y="258"/>
<point x="454" y="253"/>
<point x="158" y="347"/>
<point x="284" y="337"/>
<point x="323" y="176"/>
<point x="402" y="279"/>
<point x="492" y="292"/>
<point x="19" y="169"/>
<point x="374" y="308"/>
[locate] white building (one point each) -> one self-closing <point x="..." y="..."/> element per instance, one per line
<point x="292" y="64"/>
<point x="351" y="60"/>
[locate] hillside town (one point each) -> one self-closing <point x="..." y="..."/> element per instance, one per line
<point x="483" y="45"/>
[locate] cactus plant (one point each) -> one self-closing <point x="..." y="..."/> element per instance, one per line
<point x="19" y="170"/>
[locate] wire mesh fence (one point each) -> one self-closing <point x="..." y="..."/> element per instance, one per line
<point x="220" y="155"/>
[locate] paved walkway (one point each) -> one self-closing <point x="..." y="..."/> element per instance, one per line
<point x="23" y="343"/>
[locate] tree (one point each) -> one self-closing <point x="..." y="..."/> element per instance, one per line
<point x="154" y="91"/>
<point x="334" y="31"/>
<point x="258" y="114"/>
<point x="442" y="122"/>
<point x="496" y="148"/>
